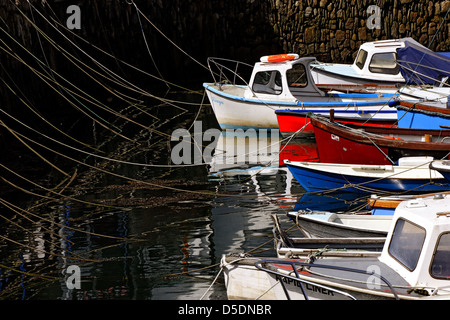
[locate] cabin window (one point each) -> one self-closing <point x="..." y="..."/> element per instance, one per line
<point x="384" y="63"/>
<point x="267" y="82"/>
<point x="296" y="77"/>
<point x="406" y="243"/>
<point x="361" y="58"/>
<point x="440" y="266"/>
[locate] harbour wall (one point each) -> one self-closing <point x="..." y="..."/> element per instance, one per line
<point x="175" y="37"/>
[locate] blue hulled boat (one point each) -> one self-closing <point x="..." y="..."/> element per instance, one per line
<point x="411" y="174"/>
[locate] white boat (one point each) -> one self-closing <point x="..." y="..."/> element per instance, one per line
<point x="387" y="62"/>
<point x="330" y="224"/>
<point x="331" y="245"/>
<point x="287" y="84"/>
<point x="414" y="264"/>
<point x="375" y="63"/>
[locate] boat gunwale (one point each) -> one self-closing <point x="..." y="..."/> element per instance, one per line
<point x="368" y="135"/>
<point x="343" y="226"/>
<point x="354" y="170"/>
<point x="363" y="103"/>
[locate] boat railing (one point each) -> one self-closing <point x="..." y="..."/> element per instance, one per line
<point x="296" y="265"/>
<point x="228" y="71"/>
<point x="436" y="290"/>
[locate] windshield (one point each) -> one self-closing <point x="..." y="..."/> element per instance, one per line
<point x="267" y="82"/>
<point x="296" y="77"/>
<point x="440" y="266"/>
<point x="361" y="58"/>
<point x="406" y="243"/>
<point x="384" y="63"/>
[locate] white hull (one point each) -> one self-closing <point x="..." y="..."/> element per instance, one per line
<point x="418" y="168"/>
<point x="244" y="281"/>
<point x="234" y="113"/>
<point x="335" y="74"/>
<point x="330" y="224"/>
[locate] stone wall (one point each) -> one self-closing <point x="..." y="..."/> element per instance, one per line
<point x="235" y="29"/>
<point x="333" y="30"/>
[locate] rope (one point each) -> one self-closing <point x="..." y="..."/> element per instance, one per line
<point x="146" y="45"/>
<point x="59" y="48"/>
<point x="95" y="155"/>
<point x="34" y="151"/>
<point x="117" y="59"/>
<point x="173" y="43"/>
<point x="27" y="104"/>
<point x="128" y="178"/>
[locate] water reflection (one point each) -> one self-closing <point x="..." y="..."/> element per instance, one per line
<point x="166" y="245"/>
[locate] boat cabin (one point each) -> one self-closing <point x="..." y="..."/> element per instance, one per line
<point x="379" y="57"/>
<point x="286" y="80"/>
<point x="418" y="244"/>
<point x="375" y="63"/>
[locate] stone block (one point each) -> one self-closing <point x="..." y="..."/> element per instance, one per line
<point x="310" y="34"/>
<point x="340" y="35"/>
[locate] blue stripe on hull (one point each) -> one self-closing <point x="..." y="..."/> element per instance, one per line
<point x="313" y="180"/>
<point x="332" y="104"/>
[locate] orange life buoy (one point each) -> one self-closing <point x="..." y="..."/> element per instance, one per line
<point x="393" y="138"/>
<point x="279" y="57"/>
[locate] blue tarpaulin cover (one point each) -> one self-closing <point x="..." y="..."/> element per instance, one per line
<point x="420" y="65"/>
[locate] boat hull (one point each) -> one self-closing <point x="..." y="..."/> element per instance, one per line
<point x="368" y="145"/>
<point x="339" y="74"/>
<point x="245" y="280"/>
<point x="292" y="121"/>
<point x="422" y="117"/>
<point x="233" y="111"/>
<point x="320" y="225"/>
<point x="367" y="178"/>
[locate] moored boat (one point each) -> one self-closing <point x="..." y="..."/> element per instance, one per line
<point x="375" y="63"/>
<point x="338" y="143"/>
<point x="324" y="224"/>
<point x="412" y="174"/>
<point x="414" y="264"/>
<point x="387" y="62"/>
<point x="281" y="85"/>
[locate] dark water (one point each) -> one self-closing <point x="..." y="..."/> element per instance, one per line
<point x="139" y="232"/>
<point x="140" y="241"/>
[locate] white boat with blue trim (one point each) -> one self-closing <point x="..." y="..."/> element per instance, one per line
<point x="359" y="92"/>
<point x="287" y="84"/>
